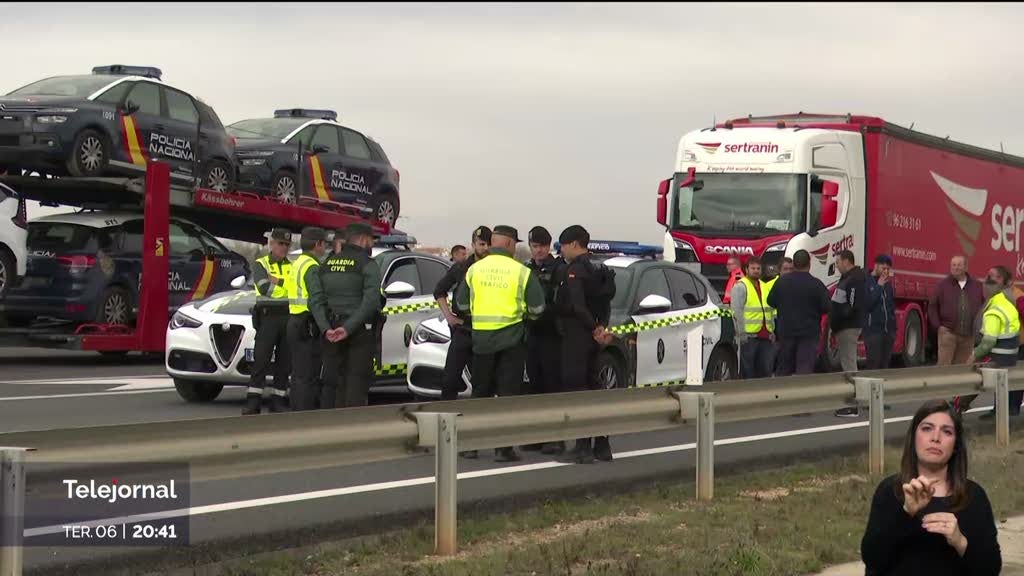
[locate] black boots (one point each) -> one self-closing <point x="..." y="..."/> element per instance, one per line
<point x="552" y="448"/>
<point x="279" y="404"/>
<point x="602" y="449"/>
<point x="252" y="404"/>
<point x="506" y="454"/>
<point x="582" y="453"/>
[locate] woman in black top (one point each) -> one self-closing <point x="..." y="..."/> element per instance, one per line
<point x="930" y="519"/>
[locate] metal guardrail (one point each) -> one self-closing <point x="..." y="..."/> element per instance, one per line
<point x="236" y="447"/>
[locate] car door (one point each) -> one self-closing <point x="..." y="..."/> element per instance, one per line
<point x="659" y="342"/>
<point x="324" y="165"/>
<point x="690" y="299"/>
<point x="177" y="141"/>
<point x="228" y="265"/>
<point x="145" y="123"/>
<point x="401" y="314"/>
<point x="191" y="272"/>
<point x="361" y="175"/>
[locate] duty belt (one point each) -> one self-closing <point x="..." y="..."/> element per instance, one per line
<point x="663" y="322"/>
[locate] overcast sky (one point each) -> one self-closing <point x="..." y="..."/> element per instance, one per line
<point x="550" y="114"/>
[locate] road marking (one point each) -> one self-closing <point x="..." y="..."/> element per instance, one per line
<point x="424" y="480"/>
<point x="86" y="381"/>
<point x="83" y="395"/>
<point x="145" y="384"/>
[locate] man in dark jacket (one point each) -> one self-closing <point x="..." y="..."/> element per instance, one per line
<point x="951" y="312"/>
<point x="847" y="316"/>
<point x="880" y="328"/>
<point x="800" y="300"/>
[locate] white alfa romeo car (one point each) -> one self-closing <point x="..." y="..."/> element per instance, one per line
<point x="210" y="342"/>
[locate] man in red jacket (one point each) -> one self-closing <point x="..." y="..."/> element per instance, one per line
<point x="735" y="273"/>
<point x="951" y="312"/>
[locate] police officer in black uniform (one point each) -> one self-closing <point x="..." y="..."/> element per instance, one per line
<point x="582" y="326"/>
<point x="543" y="345"/>
<point x="340" y="238"/>
<point x="348" y="312"/>
<point x="270" y="319"/>
<point x="303" y="332"/>
<point x="460" y="348"/>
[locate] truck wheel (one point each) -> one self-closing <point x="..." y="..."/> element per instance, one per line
<point x="89" y="154"/>
<point x="610" y="373"/>
<point x="913" y="340"/>
<point x="284" y="186"/>
<point x="385" y="208"/>
<point x="193" y="391"/>
<point x="7" y="271"/>
<point x="721" y="365"/>
<point x="115" y="307"/>
<point x="218" y="176"/>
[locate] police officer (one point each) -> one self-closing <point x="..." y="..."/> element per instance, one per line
<point x="500" y="293"/>
<point x="543" y="346"/>
<point x="340" y="238"/>
<point x="272" y="275"/>
<point x="303" y="333"/>
<point x="582" y="325"/>
<point x="460" y="348"/>
<point x="347" y="313"/>
<point x="1000" y="335"/>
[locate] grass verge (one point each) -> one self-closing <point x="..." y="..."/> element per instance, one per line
<point x="795" y="520"/>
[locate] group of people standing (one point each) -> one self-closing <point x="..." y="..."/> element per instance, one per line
<point x="778" y="320"/>
<point x="548" y="317"/>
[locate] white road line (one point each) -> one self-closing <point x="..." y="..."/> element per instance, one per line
<point x="84" y="381"/>
<point x="83" y="395"/>
<point x="424" y="480"/>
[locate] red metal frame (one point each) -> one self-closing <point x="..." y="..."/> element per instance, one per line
<point x="308" y="211"/>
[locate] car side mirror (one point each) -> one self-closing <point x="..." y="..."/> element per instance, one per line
<point x="129" y="108"/>
<point x="320" y="149"/>
<point x="655" y="304"/>
<point x="209" y="252"/>
<point x="399" y="290"/>
<point x="238" y="282"/>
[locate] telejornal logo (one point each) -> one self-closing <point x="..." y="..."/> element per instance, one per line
<point x="113" y="492"/>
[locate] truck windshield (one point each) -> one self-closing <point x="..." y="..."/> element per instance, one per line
<point x="741" y="204"/>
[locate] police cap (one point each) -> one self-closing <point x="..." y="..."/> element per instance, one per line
<point x="281" y="235"/>
<point x="482" y="233"/>
<point x="314" y="234"/>
<point x="539" y="235"/>
<point x="508" y="231"/>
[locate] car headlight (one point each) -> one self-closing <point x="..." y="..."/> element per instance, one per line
<point x="685" y="252"/>
<point x="253" y="161"/>
<point x="181" y="320"/>
<point x="423" y="334"/>
<point x="777" y="247"/>
<point x="52" y="119"/>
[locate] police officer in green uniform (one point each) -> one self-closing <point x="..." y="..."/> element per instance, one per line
<point x="347" y="312"/>
<point x="303" y="333"/>
<point x="271" y="274"/>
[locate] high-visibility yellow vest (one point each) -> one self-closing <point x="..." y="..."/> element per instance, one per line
<point x="1000" y="307"/>
<point x="755" y="312"/>
<point x="497" y="292"/>
<point x="298" y="294"/>
<point x="764" y="296"/>
<point x="280" y="290"/>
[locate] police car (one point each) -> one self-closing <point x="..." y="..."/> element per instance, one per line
<point x="656" y="305"/>
<point x="85" y="267"/>
<point x="210" y="343"/>
<point x="338" y="163"/>
<point x="112" y="122"/>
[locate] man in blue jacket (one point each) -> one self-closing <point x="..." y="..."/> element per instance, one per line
<point x="880" y="326"/>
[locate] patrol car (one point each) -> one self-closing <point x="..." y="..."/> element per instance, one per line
<point x="210" y="343"/>
<point x="112" y="122"/>
<point x="85" y="267"/>
<point x="656" y="305"/>
<point x="339" y="164"/>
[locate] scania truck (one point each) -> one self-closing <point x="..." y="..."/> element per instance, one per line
<point x="770" y="186"/>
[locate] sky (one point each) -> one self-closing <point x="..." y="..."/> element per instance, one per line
<point x="549" y="114"/>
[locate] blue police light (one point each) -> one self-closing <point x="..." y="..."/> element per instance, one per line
<point x="305" y="113"/>
<point x="396" y="240"/>
<point x="122" y="70"/>
<point x="624" y="248"/>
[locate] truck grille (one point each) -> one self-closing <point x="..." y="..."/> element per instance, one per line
<point x="226" y="339"/>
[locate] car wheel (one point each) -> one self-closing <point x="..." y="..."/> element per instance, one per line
<point x="192" y="391"/>
<point x="721" y="365"/>
<point x="913" y="340"/>
<point x="610" y="373"/>
<point x="385" y="208"/>
<point x="115" y="307"/>
<point x="218" y="176"/>
<point x="284" y="187"/>
<point x="90" y="154"/>
<point x="7" y="271"/>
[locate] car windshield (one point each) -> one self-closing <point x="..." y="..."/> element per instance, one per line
<point x="71" y="86"/>
<point x="276" y="128"/>
<point x="54" y="236"/>
<point x="741" y="204"/>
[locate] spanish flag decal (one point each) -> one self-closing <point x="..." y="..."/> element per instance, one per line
<point x="318" y="178"/>
<point x="202" y="287"/>
<point x="132" y="141"/>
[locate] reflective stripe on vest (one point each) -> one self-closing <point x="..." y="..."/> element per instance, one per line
<point x="298" y="293"/>
<point x="755" y="313"/>
<point x="1007" y="339"/>
<point x="280" y="290"/>
<point x="497" y="292"/>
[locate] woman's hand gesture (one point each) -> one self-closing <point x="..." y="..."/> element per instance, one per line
<point x="917" y="494"/>
<point x="946" y="524"/>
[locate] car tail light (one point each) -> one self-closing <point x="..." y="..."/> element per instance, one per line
<point x="234" y="141"/>
<point x="75" y="308"/>
<point x="21" y="218"/>
<point x="77" y="262"/>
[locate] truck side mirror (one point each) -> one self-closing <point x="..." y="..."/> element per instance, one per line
<point x="829" y="204"/>
<point x="663" y="201"/>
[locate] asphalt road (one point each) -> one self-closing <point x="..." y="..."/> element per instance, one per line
<point x="74" y="391"/>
